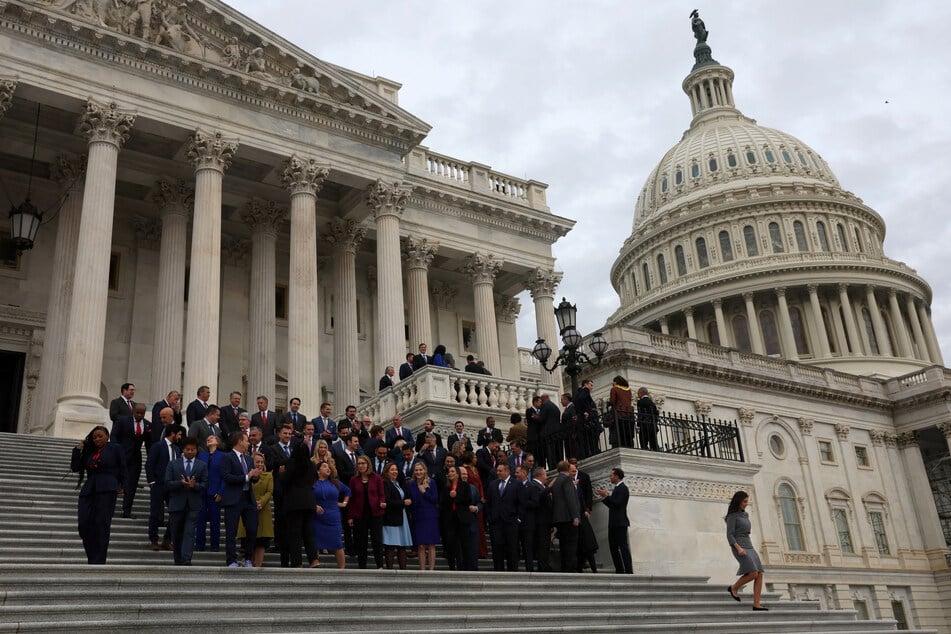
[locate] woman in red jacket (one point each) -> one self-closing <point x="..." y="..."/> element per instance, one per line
<point x="367" y="505"/>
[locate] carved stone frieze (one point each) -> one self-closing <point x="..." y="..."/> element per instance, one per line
<point x="444" y="295"/>
<point x="805" y="426"/>
<point x="419" y="252"/>
<point x="746" y="415"/>
<point x="682" y="489"/>
<point x="878" y="437"/>
<point x="7" y="88"/>
<point x="101" y="123"/>
<point x="345" y="235"/>
<point x="304" y="175"/>
<point x="385" y="199"/>
<point x="891" y="440"/>
<point x="507" y="309"/>
<point x="264" y="216"/>
<point x="802" y="558"/>
<point x="211" y="150"/>
<point x="542" y="283"/>
<point x="842" y="431"/>
<point x="482" y="268"/>
<point x="907" y="439"/>
<point x="174" y="196"/>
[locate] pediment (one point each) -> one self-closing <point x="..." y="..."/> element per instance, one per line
<point x="211" y="39"/>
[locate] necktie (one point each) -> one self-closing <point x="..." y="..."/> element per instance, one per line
<point x="188" y="468"/>
<point x="352" y="459"/>
<point x="263" y="419"/>
<point x="287" y="450"/>
<point x="502" y="488"/>
<point x="129" y="403"/>
<point x="295" y="418"/>
<point x="234" y="409"/>
<point x="171" y="452"/>
<point x="518" y="461"/>
<point x="244" y="465"/>
<point x="138" y="428"/>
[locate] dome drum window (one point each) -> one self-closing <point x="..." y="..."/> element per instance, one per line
<point x="768" y="154"/>
<point x="679" y="177"/>
<point x="712" y="164"/>
<point x="750" y="157"/>
<point x="695" y="170"/>
<point x="663" y="185"/>
<point x="749" y="237"/>
<point x="731" y="159"/>
<point x="703" y="260"/>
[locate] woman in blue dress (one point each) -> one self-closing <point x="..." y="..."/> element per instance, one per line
<point x="425" y="504"/>
<point x="330" y="496"/>
<point x="396" y="533"/>
<point x="738" y="536"/>
<point x="439" y="356"/>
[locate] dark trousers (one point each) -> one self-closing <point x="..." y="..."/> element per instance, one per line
<point x="95" y="524"/>
<point x="209" y="517"/>
<point x="299" y="531"/>
<point x="182" y="526"/>
<point x="647" y="436"/>
<point x="543" y="546"/>
<point x="372" y="528"/>
<point x="133" y="472"/>
<point x="620" y="550"/>
<point x="568" y="544"/>
<point x="457" y="543"/>
<point x="526" y="538"/>
<point x="504" y="546"/>
<point x="157" y="498"/>
<point x="245" y="510"/>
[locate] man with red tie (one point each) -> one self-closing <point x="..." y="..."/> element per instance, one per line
<point x="123" y="405"/>
<point x="130" y="432"/>
<point x="265" y="419"/>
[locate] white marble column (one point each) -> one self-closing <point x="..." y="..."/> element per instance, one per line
<point x="724" y="334"/>
<point x="69" y="173"/>
<point x="541" y="285"/>
<point x="855" y="343"/>
<point x="346" y="236"/>
<point x="756" y="335"/>
<point x="175" y="200"/>
<point x="920" y="341"/>
<point x="664" y="327"/>
<point x="304" y="179"/>
<point x="387" y="201"/>
<point x="235" y="332"/>
<point x="785" y="326"/>
<point x="264" y="218"/>
<point x="929" y="523"/>
<point x="934" y="350"/>
<point x="898" y="324"/>
<point x="8" y="86"/>
<point x="79" y="407"/>
<point x="822" y="338"/>
<point x="418" y="254"/>
<point x="506" y="313"/>
<point x="878" y="325"/>
<point x="945" y="428"/>
<point x="482" y="269"/>
<point x="211" y="154"/>
<point x="148" y="234"/>
<point x="691" y="326"/>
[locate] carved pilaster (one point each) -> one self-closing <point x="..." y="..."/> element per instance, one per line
<point x="482" y="268"/>
<point x="174" y="196"/>
<point x="746" y="415"/>
<point x="507" y="309"/>
<point x="907" y="439"/>
<point x="303" y="175"/>
<point x="101" y="123"/>
<point x="345" y="235"/>
<point x="805" y="426"/>
<point x="264" y="216"/>
<point x="235" y="251"/>
<point x="386" y="199"/>
<point x="444" y="295"/>
<point x="842" y="431"/>
<point x="7" y="88"/>
<point x="211" y="150"/>
<point x="878" y="437"/>
<point x="542" y="283"/>
<point x="419" y="252"/>
<point x="148" y="232"/>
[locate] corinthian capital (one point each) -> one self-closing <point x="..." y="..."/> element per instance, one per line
<point x="444" y="295"/>
<point x="105" y="123"/>
<point x="174" y="196"/>
<point x="346" y="235"/>
<point x="211" y="150"/>
<point x="907" y="439"/>
<point x="482" y="268"/>
<point x="542" y="283"/>
<point x="148" y="232"/>
<point x="303" y="175"/>
<point x="7" y="87"/>
<point x="507" y="309"/>
<point x="68" y="170"/>
<point x="842" y="431"/>
<point x="419" y="252"/>
<point x="386" y="199"/>
<point x="263" y="216"/>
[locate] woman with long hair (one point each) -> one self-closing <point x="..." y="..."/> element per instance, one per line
<point x="471" y="469"/>
<point x="738" y="536"/>
<point x="620" y="419"/>
<point x="321" y="452"/>
<point x="298" y="486"/>
<point x="263" y="492"/>
<point x="102" y="473"/>
<point x="454" y="501"/>
<point x="425" y="498"/>
<point x="439" y="356"/>
<point x="331" y="499"/>
<point x="366" y="508"/>
<point x="396" y="534"/>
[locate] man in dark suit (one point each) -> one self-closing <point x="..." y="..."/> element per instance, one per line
<point x="295" y="416"/>
<point x="406" y="461"/>
<point x="543" y="521"/>
<point x="472" y="366"/>
<point x="346" y="458"/>
<point x="534" y="423"/>
<point x="397" y="432"/>
<point x="647" y="416"/>
<point x="429" y="427"/>
<point x="485" y="461"/>
<point x="517" y="457"/>
<point x="123" y="405"/>
<point x="528" y="499"/>
<point x="502" y="510"/>
<point x="550" y="419"/>
<point x="161" y="453"/>
<point x="458" y="435"/>
<point x="407" y="368"/>
<point x="432" y="455"/>
<point x="172" y="401"/>
<point x="618" y="523"/>
<point x="197" y="408"/>
<point x="421" y="359"/>
<point x="206" y="426"/>
<point x="237" y="498"/>
<point x="265" y="419"/>
<point x="387" y="379"/>
<point x="324" y="426"/>
<point x="186" y="480"/>
<point x="229" y="416"/>
<point x="489" y="432"/>
<point x="566" y="516"/>
<point x="130" y="432"/>
<point x="276" y="456"/>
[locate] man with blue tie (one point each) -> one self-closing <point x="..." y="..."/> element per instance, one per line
<point x="159" y="456"/>
<point x="295" y="416"/>
<point x="406" y="370"/>
<point x="186" y="480"/>
<point x="502" y="511"/>
<point x="237" y="498"/>
<point x="324" y="426"/>
<point x="618" y="523"/>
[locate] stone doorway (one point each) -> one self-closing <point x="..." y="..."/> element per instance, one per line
<point x="11" y="386"/>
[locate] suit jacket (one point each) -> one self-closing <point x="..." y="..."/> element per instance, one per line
<point x="288" y="417"/>
<point x="359" y="492"/>
<point x="485" y="463"/>
<point x="512" y="463"/>
<point x="321" y="425"/>
<point x="274" y="458"/>
<point x="529" y="496"/>
<point x="550" y="418"/>
<point x="201" y="429"/>
<point x="405" y="478"/>
<point x="543" y="512"/>
<point x="585" y="492"/>
<point x="646" y="410"/>
<point x="567" y="416"/>
<point x="452" y="439"/>
<point x="180" y="497"/>
<point x="420" y="360"/>
<point x="564" y="500"/>
<point x="421" y="438"/>
<point x="405" y="370"/>
<point x="393" y="514"/>
<point x="229" y="420"/>
<point x="584" y="404"/>
<point x="213" y="460"/>
<point x="157" y="427"/>
<point x="487" y="434"/>
<point x="123" y="434"/>
<point x="268" y="427"/>
<point x="617" y="506"/>
<point x="385" y="382"/>
<point x="195" y="411"/>
<point x="462" y="501"/>
<point x="535" y="422"/>
<point x="157" y="461"/>
<point x="233" y="478"/>
<point x="435" y="460"/>
<point x="502" y="507"/>
<point x="298" y="488"/>
<point x="392" y="436"/>
<point x="346" y="468"/>
<point x="118" y="407"/>
<point x="105" y="475"/>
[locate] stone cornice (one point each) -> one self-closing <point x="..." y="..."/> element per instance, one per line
<point x="20" y="316"/>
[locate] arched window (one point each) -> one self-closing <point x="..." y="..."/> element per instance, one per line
<point x="726" y="248"/>
<point x="741" y="333"/>
<point x="842" y="238"/>
<point x="751" y="157"/>
<point x="749" y="236"/>
<point x="830" y="330"/>
<point x="702" y="260"/>
<point x="713" y="165"/>
<point x="802" y="159"/>
<point x="792" y="523"/>
<point x="800" y="232"/>
<point x="633" y="283"/>
<point x="767" y="324"/>
<point x="823" y="236"/>
<point x="858" y="240"/>
<point x="681" y="260"/>
<point x="798" y="331"/>
<point x="776" y="238"/>
<point x="768" y="153"/>
<point x="713" y="333"/>
<point x="869" y="330"/>
<point x="786" y="158"/>
<point x="647" y="277"/>
<point x="662" y="268"/>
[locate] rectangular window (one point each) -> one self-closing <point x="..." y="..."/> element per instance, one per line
<point x="842" y="528"/>
<point x="469" y="337"/>
<point x="861" y="456"/>
<point x="114" y="261"/>
<point x="861" y="610"/>
<point x="825" y="452"/>
<point x="280" y="301"/>
<point x="878" y="527"/>
<point x="9" y="259"/>
<point x="898" y="609"/>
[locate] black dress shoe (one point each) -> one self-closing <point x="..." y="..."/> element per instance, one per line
<point x="760" y="609"/>
<point x="735" y="597"/>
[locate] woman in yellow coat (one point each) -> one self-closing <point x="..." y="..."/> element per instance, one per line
<point x="263" y="492"/>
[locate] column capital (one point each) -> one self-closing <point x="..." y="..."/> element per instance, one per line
<point x="235" y="251"/>
<point x="263" y="216"/>
<point x="746" y="415"/>
<point x="101" y="123"/>
<point x="891" y="439"/>
<point x="747" y="297"/>
<point x="878" y="437"/>
<point x="304" y="175"/>
<point x="945" y="428"/>
<point x="813" y="289"/>
<point x="780" y="291"/>
<point x="717" y="303"/>
<point x="7" y="88"/>
<point x="507" y="308"/>
<point x="444" y="294"/>
<point x="543" y="282"/>
<point x="211" y="150"/>
<point x="805" y="426"/>
<point x="345" y="235"/>
<point x="843" y="287"/>
<point x="688" y="311"/>
<point x="419" y="252"/>
<point x="892" y="293"/>
<point x="703" y="408"/>
<point x="174" y="196"/>
<point x="842" y="431"/>
<point x="148" y="232"/>
<point x="907" y="439"/>
<point x="385" y="199"/>
<point x="68" y="170"/>
<point x="482" y="268"/>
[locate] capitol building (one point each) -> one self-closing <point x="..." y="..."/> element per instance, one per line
<point x="198" y="201"/>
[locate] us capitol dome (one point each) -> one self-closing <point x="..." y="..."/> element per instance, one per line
<point x="743" y="238"/>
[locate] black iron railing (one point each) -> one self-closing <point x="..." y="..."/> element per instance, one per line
<point x="669" y="433"/>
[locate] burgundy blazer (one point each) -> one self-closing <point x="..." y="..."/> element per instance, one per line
<point x="358" y="491"/>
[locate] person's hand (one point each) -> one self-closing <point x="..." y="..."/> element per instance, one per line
<point x="602" y="492"/>
<point x="254" y="473"/>
<point x="282" y="469"/>
<point x="473" y="509"/>
<point x="587" y="513"/>
<point x="80" y="444"/>
<point x="576" y="522"/>
<point x="407" y="502"/>
<point x="382" y="505"/>
<point x="120" y="491"/>
<point x="452" y="494"/>
<point x="350" y="523"/>
<point x="217" y="497"/>
<point x="259" y="506"/>
<point x="319" y="509"/>
<point x="740" y="551"/>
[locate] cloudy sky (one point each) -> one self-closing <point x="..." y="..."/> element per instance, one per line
<point x="586" y="97"/>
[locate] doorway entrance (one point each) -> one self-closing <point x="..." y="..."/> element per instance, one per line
<point x="11" y="386"/>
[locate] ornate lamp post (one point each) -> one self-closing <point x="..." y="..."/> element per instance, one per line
<point x="571" y="356"/>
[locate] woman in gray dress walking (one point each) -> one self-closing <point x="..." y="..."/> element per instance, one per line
<point x="738" y="535"/>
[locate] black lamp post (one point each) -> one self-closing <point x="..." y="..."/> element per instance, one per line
<point x="571" y="356"/>
<point x="25" y="219"/>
